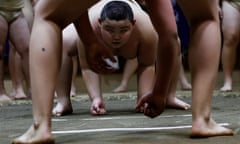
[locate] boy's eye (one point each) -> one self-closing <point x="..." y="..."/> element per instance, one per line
<point x="109" y="30"/>
<point x="124" y="30"/>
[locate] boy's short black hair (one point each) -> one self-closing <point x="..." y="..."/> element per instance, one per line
<point x="117" y="10"/>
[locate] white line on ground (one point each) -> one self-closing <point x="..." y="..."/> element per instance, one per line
<point x="58" y="120"/>
<point x="132" y="117"/>
<point x="125" y="129"/>
<point x="123" y="117"/>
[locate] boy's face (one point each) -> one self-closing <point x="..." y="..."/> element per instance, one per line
<point x="115" y="34"/>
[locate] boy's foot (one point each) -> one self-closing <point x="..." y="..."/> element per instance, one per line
<point x="177" y="103"/>
<point x="120" y="89"/>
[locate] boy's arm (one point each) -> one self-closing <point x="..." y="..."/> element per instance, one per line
<point x="162" y="16"/>
<point x="95" y="51"/>
<point x="146" y="59"/>
<point x="145" y="77"/>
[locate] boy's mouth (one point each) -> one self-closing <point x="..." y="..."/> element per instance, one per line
<point x="116" y="43"/>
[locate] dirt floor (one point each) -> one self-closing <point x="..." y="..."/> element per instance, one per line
<point x="122" y="125"/>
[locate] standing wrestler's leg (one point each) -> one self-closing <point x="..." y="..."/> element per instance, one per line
<point x="3" y="37"/>
<point x="28" y="12"/>
<point x="172" y="100"/>
<point x="20" y="35"/>
<point x="203" y="60"/>
<point x="44" y="64"/>
<point x="73" y="91"/>
<point x="63" y="86"/>
<point x="185" y="85"/>
<point x="15" y="69"/>
<point x="231" y="35"/>
<point x="15" y="60"/>
<point x="51" y="16"/>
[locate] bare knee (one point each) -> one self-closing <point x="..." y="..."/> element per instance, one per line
<point x="231" y="38"/>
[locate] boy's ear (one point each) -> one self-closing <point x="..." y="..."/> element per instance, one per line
<point x="133" y="22"/>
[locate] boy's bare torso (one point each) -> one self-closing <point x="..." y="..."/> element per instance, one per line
<point x="136" y="45"/>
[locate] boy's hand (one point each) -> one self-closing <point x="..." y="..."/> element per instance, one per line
<point x="151" y="105"/>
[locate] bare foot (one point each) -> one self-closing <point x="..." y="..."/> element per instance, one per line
<point x="55" y="94"/>
<point x="201" y="129"/>
<point x="35" y="135"/>
<point x="73" y="93"/>
<point x="5" y="98"/>
<point x="177" y="103"/>
<point x="20" y="95"/>
<point x="119" y="89"/>
<point x="98" y="107"/>
<point x="29" y="93"/>
<point x="186" y="86"/>
<point x="62" y="109"/>
<point x="226" y="88"/>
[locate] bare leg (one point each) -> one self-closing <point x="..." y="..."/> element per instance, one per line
<point x="204" y="60"/>
<point x="44" y="65"/>
<point x="74" y="76"/>
<point x="45" y="58"/>
<point x="63" y="87"/>
<point x="21" y="44"/>
<point x="16" y="75"/>
<point x="3" y="33"/>
<point x="3" y="95"/>
<point x="185" y="85"/>
<point x="172" y="100"/>
<point x="28" y="12"/>
<point x="129" y="69"/>
<point x="231" y="40"/>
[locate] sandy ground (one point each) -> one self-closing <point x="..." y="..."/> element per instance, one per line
<point x="122" y="125"/>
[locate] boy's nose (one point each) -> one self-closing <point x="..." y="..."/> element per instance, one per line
<point x="116" y="36"/>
